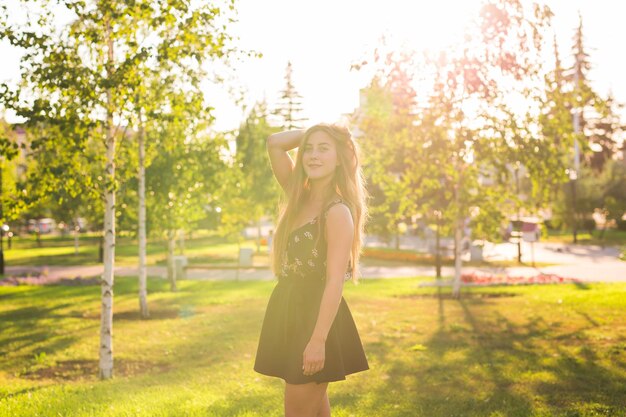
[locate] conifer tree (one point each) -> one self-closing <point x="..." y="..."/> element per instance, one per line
<point x="288" y="110"/>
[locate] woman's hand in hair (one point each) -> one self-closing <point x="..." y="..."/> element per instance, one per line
<point x="277" y="146"/>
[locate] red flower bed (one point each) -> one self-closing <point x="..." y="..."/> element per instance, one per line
<point x="45" y="280"/>
<point x="490" y="279"/>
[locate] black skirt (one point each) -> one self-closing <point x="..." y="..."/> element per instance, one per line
<point x="289" y="322"/>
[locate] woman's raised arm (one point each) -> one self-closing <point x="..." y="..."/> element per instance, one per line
<point x="277" y="146"/>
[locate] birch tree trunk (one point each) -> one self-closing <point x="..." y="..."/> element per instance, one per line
<point x="106" y="317"/>
<point x="143" y="270"/>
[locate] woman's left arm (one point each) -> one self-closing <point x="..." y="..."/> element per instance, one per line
<point x="340" y="234"/>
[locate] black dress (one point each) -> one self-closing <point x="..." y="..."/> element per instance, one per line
<point x="292" y="312"/>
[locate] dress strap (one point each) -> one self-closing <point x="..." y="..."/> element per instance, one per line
<point x="332" y="203"/>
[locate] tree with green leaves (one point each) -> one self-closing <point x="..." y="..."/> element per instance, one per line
<point x="386" y="130"/>
<point x="8" y="152"/>
<point x="500" y="59"/>
<point x="75" y="88"/>
<point x="580" y="128"/>
<point x="83" y="77"/>
<point x="453" y="157"/>
<point x="185" y="171"/>
<point x="604" y="130"/>
<point x="258" y="188"/>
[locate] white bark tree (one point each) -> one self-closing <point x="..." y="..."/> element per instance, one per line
<point x="106" y="314"/>
<point x="143" y="269"/>
<point x="82" y="79"/>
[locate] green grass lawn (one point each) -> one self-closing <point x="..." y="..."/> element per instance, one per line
<point x="557" y="350"/>
<point x="57" y="250"/>
<point x="611" y="237"/>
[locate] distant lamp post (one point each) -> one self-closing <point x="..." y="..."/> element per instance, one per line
<point x="573" y="176"/>
<point x="573" y="173"/>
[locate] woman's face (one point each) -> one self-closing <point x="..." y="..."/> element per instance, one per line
<point x="319" y="156"/>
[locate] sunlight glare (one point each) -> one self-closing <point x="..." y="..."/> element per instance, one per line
<point x="432" y="26"/>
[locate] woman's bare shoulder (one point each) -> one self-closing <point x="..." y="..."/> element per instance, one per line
<point x="339" y="217"/>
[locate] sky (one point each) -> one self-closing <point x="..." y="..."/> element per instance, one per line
<point x="323" y="38"/>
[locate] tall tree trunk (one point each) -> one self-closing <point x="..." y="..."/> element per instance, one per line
<point x="458" y="235"/>
<point x="601" y="237"/>
<point x="458" y="230"/>
<point x="438" y="248"/>
<point x="2" y="221"/>
<point x="258" y="235"/>
<point x="143" y="270"/>
<point x="106" y="316"/>
<point x="181" y="242"/>
<point x="238" y="258"/>
<point x="75" y="240"/>
<point x="171" y="245"/>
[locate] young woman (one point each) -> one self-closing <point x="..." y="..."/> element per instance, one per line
<point x="308" y="336"/>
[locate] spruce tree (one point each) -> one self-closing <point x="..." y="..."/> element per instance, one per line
<point x="288" y="110"/>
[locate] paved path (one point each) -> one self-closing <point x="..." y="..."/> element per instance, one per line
<point x="585" y="263"/>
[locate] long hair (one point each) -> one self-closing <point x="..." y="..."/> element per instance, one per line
<point x="348" y="182"/>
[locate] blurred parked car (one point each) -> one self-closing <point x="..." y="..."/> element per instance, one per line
<point x="44" y="226"/>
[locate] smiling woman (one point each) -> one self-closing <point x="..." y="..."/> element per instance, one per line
<point x="309" y="337"/>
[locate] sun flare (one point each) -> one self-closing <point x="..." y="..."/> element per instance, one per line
<point x="431" y="26"/>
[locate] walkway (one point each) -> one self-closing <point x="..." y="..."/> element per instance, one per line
<point x="585" y="263"/>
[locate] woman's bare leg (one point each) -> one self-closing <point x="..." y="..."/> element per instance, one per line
<point x="304" y="400"/>
<point x="324" y="410"/>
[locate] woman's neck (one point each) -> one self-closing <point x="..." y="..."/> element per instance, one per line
<point x="320" y="191"/>
<point x="316" y="200"/>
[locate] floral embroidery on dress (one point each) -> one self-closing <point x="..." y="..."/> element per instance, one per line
<point x="304" y="251"/>
<point x="284" y="267"/>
